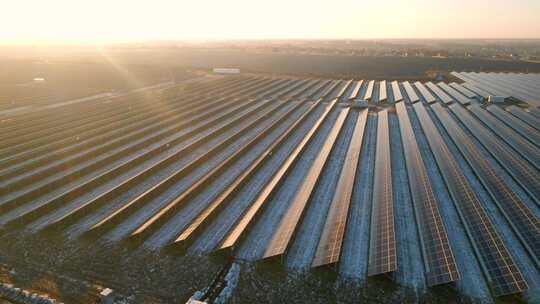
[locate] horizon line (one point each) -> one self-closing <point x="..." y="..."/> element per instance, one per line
<point x="127" y="41"/>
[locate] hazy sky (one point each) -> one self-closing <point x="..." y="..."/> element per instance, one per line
<point x="79" y="20"/>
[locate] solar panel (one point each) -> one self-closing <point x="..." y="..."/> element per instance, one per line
<point x="440" y="93"/>
<point x="523" y="147"/>
<point x="344" y="89"/>
<point x="129" y="163"/>
<point x="356" y="91"/>
<point x="320" y="90"/>
<point x="463" y="90"/>
<point x="529" y="80"/>
<point x="501" y="271"/>
<point x="237" y="232"/>
<point x="284" y="233"/>
<point x="247" y="86"/>
<point x="301" y="91"/>
<point x="30" y="211"/>
<point x="485" y="85"/>
<point x="532" y="87"/>
<point x="329" y="247"/>
<point x="457" y="75"/>
<point x="535" y="111"/>
<point x="425" y="92"/>
<point x="382" y="91"/>
<point x="532" y="80"/>
<point x="510" y="88"/>
<point x="382" y="243"/>
<point x="504" y="85"/>
<point x="514" y="85"/>
<point x="154" y="220"/>
<point x="278" y="85"/>
<point x="198" y="223"/>
<point x="314" y="89"/>
<point x="328" y="90"/>
<point x="149" y="195"/>
<point x="516" y="167"/>
<point x="476" y="89"/>
<point x="302" y="86"/>
<point x="410" y="91"/>
<point x="369" y="90"/>
<point x="455" y="94"/>
<point x="291" y="89"/>
<point x="532" y="120"/>
<point x="526" y="131"/>
<point x="524" y="222"/>
<point x="438" y="258"/>
<point x="396" y="91"/>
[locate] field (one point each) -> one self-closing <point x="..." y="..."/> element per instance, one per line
<point x="72" y="79"/>
<point x="338" y="66"/>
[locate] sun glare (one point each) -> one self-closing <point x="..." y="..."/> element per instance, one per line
<point x="99" y="20"/>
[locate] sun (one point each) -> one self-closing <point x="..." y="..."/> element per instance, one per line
<point x="121" y="20"/>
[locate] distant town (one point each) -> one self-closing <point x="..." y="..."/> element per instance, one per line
<point x="524" y="50"/>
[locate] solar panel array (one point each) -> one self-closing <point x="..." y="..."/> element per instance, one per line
<point x="525" y="223"/>
<point x="515" y="166"/>
<point x="382" y="91"/>
<point x="454" y="93"/>
<point x="311" y="91"/>
<point x="330" y="243"/>
<point x="396" y="91"/>
<point x="296" y="93"/>
<point x="522" y="146"/>
<point x="477" y="90"/>
<point x="321" y="90"/>
<point x="438" y="257"/>
<point x="344" y="89"/>
<point x="369" y="91"/>
<point x="482" y="84"/>
<point x="328" y="90"/>
<point x="356" y="91"/>
<point x="382" y="241"/>
<point x="521" y="86"/>
<point x="284" y="232"/>
<point x="428" y="97"/>
<point x="236" y="233"/>
<point x="290" y="89"/>
<point x="155" y="220"/>
<point x="502" y="272"/>
<point x="198" y="223"/>
<point x="440" y="93"/>
<point x="527" y="117"/>
<point x="535" y="111"/>
<point x="413" y="97"/>
<point x="463" y="90"/>
<point x="32" y="210"/>
<point x="526" y="131"/>
<point x="206" y="166"/>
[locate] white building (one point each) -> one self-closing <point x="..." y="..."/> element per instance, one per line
<point x="226" y="71"/>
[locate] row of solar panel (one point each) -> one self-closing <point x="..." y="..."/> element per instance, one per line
<point x="429" y="91"/>
<point x="521" y="86"/>
<point x="439" y="261"/>
<point x="501" y="271"/>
